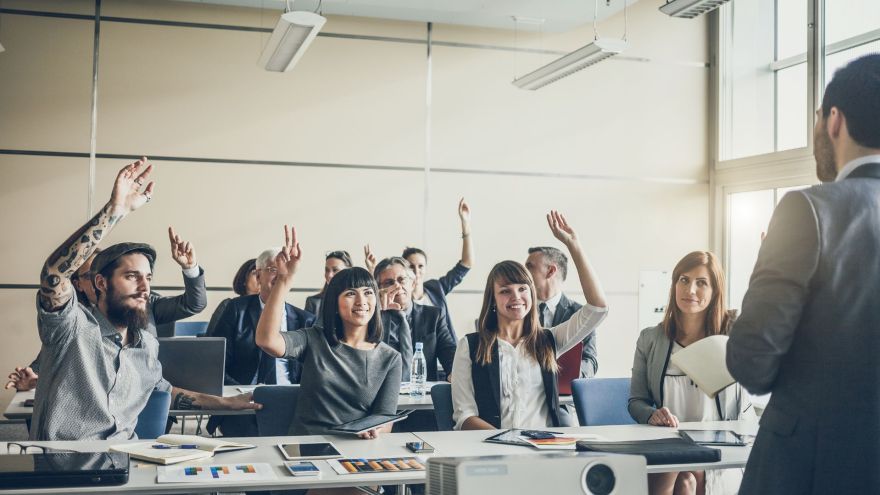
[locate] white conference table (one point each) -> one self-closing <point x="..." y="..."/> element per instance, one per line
<point x="143" y="475"/>
<point x="17" y="410"/>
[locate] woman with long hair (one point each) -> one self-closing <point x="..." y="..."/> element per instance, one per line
<point x="348" y="372"/>
<point x="660" y="393"/>
<point x="504" y="375"/>
<point x="334" y="262"/>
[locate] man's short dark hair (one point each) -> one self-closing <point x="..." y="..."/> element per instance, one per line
<point x="413" y="250"/>
<point x="855" y="91"/>
<point x="555" y="256"/>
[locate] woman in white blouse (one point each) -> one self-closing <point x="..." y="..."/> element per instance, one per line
<point x="504" y="375"/>
<point x="660" y="393"/>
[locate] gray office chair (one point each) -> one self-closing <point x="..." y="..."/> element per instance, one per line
<point x="441" y="396"/>
<point x="279" y="403"/>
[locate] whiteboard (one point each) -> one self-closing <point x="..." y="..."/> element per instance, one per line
<point x="653" y="296"/>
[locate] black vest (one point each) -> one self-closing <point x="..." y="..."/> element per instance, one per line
<point x="487" y="384"/>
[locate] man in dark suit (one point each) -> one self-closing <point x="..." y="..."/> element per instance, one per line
<point x="810" y="325"/>
<point x="549" y="267"/>
<point x="426" y="324"/>
<point x="246" y="363"/>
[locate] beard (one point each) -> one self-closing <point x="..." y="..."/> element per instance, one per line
<point x="826" y="170"/>
<point x="119" y="314"/>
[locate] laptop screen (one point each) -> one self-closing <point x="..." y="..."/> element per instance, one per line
<point x="194" y="363"/>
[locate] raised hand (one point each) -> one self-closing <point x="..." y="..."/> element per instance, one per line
<point x="127" y="195"/>
<point x="369" y="258"/>
<point x="182" y="252"/>
<point x="464" y="211"/>
<point x="288" y="259"/>
<point x="560" y="228"/>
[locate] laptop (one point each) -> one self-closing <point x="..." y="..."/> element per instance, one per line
<point x="194" y="363"/>
<point x="63" y="469"/>
<point x="569" y="368"/>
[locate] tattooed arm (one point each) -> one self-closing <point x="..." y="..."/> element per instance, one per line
<point x="55" y="286"/>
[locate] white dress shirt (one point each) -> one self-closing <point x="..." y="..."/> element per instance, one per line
<point x="550" y="308"/>
<point x="523" y="401"/>
<point x="281" y="369"/>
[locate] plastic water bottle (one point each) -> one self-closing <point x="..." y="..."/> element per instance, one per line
<point x="418" y="373"/>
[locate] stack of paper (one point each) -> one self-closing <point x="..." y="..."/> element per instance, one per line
<point x="705" y="362"/>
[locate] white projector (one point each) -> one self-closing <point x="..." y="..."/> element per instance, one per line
<point x="560" y="474"/>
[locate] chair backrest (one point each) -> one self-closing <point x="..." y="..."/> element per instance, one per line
<point x="601" y="401"/>
<point x="190" y="328"/>
<point x="279" y="403"/>
<point x="154" y="416"/>
<point x="569" y="368"/>
<point x="441" y="396"/>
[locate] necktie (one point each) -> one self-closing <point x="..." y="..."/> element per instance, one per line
<point x="542" y="311"/>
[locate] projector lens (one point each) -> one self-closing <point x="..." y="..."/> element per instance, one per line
<point x="600" y="480"/>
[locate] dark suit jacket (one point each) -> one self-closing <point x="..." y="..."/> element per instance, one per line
<point x="239" y="324"/>
<point x="167" y="310"/>
<point x="429" y="328"/>
<point x="589" y="357"/>
<point x="810" y="334"/>
<point x="436" y="290"/>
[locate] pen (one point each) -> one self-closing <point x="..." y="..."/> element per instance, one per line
<point x="185" y="446"/>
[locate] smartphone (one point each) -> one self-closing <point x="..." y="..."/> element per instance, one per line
<point x="303" y="468"/>
<point x="29" y="403"/>
<point x="420" y="447"/>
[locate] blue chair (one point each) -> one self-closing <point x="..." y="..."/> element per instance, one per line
<point x="441" y="396"/>
<point x="190" y="328"/>
<point x="154" y="416"/>
<point x="279" y="403"/>
<point x="601" y="401"/>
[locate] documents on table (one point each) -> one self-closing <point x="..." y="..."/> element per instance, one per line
<point x="217" y="473"/>
<point x="705" y="362"/>
<point x="377" y="465"/>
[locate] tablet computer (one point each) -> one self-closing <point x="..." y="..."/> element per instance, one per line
<point x="63" y="469"/>
<point x="368" y="423"/>
<point x="713" y="437"/>
<point x="319" y="450"/>
<point x="508" y="437"/>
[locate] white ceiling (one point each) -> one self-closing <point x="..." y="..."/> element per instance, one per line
<point x="546" y="15"/>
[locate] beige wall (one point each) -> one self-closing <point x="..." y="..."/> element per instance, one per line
<point x="198" y="93"/>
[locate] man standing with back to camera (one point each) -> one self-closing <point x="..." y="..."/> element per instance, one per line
<point x="810" y="325"/>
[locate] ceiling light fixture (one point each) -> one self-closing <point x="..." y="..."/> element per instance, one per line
<point x="688" y="9"/>
<point x="291" y="37"/>
<point x="585" y="56"/>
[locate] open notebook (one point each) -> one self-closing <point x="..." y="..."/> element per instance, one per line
<point x="171" y="449"/>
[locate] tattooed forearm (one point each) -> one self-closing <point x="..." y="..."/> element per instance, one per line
<point x="55" y="287"/>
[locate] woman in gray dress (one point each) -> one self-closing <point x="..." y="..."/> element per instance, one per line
<point x="348" y="372"/>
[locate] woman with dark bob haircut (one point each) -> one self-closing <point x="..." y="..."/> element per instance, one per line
<point x="348" y="372"/>
<point x="504" y="375"/>
<point x="660" y="393"/>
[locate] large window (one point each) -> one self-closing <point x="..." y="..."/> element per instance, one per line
<point x="768" y="89"/>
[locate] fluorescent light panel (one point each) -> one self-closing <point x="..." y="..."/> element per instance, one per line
<point x="567" y="65"/>
<point x="291" y="37"/>
<point x="688" y="9"/>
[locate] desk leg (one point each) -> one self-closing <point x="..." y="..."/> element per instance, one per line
<point x="401" y="489"/>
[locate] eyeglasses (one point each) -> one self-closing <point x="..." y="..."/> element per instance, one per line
<point x="389" y="282"/>
<point x="15" y="448"/>
<point x="270" y="269"/>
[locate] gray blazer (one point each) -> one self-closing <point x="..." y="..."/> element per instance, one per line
<point x="646" y="386"/>
<point x="810" y="334"/>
